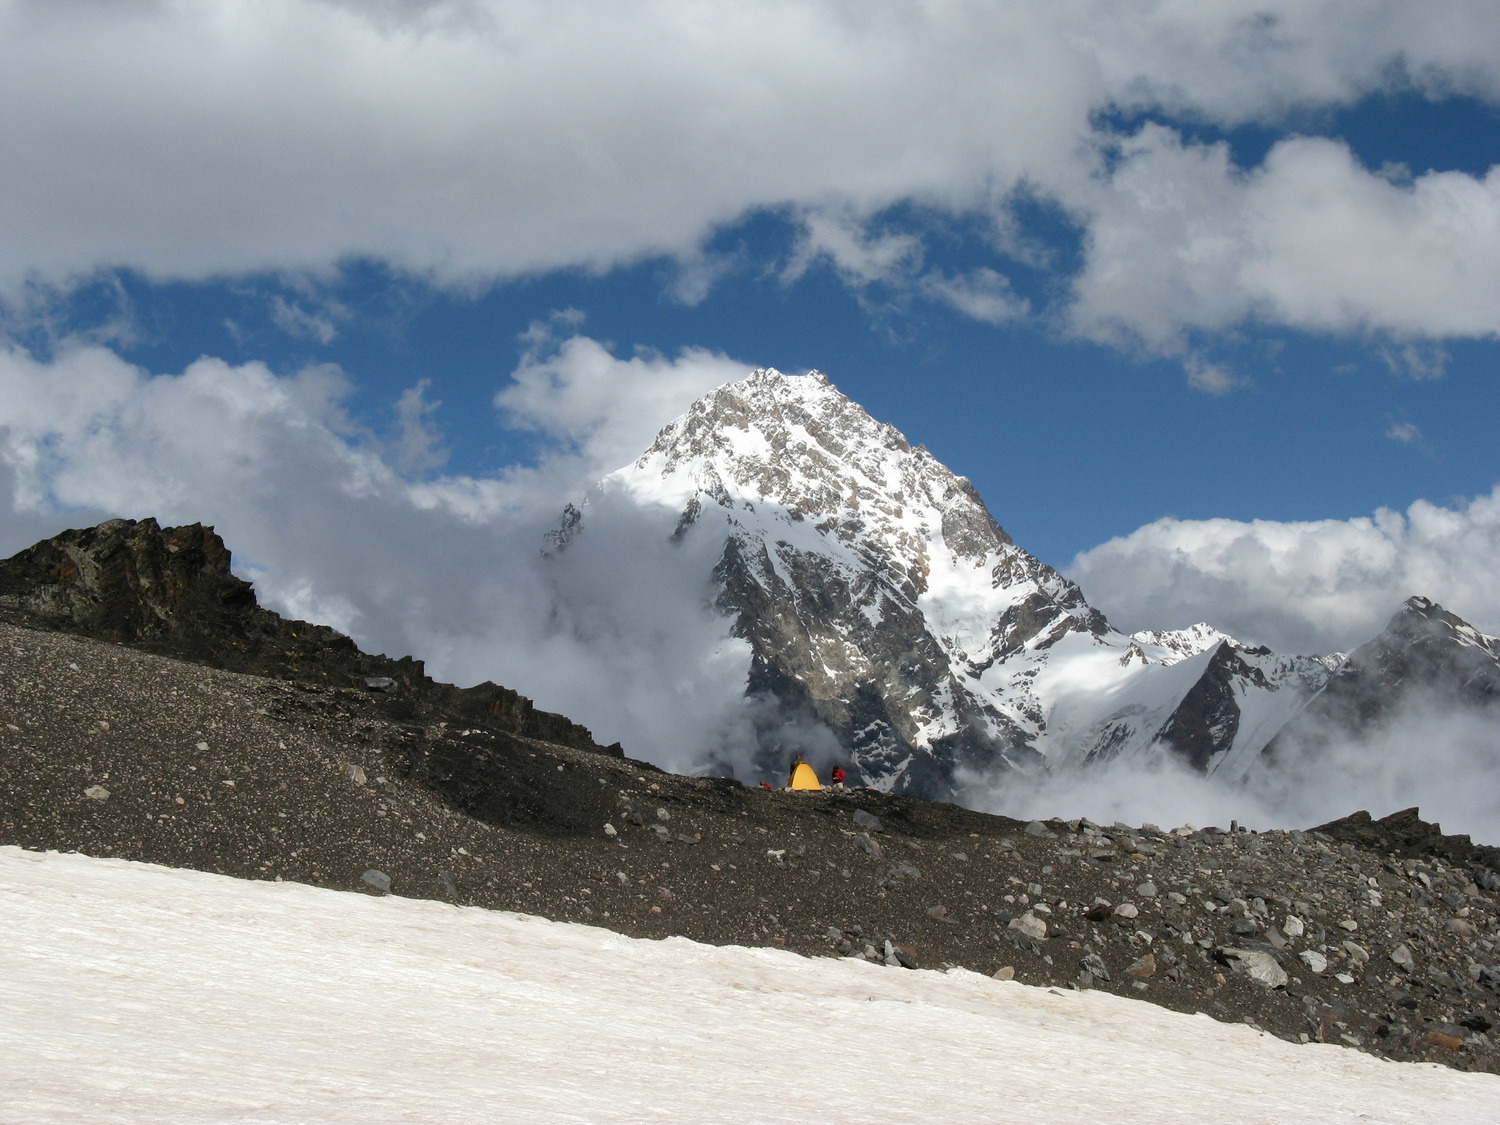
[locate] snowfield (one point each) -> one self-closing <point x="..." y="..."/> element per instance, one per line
<point x="134" y="993"/>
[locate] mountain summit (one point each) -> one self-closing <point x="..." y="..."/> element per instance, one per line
<point x="875" y="589"/>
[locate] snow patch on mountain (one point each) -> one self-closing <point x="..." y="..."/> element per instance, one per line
<point x="1172" y="645"/>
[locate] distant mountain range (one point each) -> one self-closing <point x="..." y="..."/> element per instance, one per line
<point x="883" y="604"/>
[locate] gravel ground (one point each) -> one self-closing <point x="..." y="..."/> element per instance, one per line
<point x="112" y="751"/>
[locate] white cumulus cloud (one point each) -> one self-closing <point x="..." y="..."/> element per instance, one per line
<point x="468" y="140"/>
<point x="1313" y="586"/>
<point x="1181" y="240"/>
<point x="328" y="521"/>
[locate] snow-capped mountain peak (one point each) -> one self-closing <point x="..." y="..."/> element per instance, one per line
<point x="883" y="603"/>
<point x="877" y="591"/>
<point x="1171" y="645"/>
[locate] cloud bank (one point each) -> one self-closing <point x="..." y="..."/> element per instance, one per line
<point x="334" y="525"/>
<point x="465" y="141"/>
<point x="1313" y="586"/>
<point x="1185" y="241"/>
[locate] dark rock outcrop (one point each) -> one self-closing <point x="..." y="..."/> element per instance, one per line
<point x="1405" y="833"/>
<point x="1208" y="717"/>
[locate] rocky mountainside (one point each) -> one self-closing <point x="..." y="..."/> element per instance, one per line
<point x="1381" y="936"/>
<point x="883" y="603"/>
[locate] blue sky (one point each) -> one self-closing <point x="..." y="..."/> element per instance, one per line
<point x="1071" y="442"/>
<point x="1193" y="294"/>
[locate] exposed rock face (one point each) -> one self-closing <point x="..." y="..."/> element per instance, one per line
<point x="132" y="581"/>
<point x="1208" y="718"/>
<point x="1425" y="658"/>
<point x="882" y="600"/>
<point x="874" y="587"/>
<point x="171" y="591"/>
<point x="1405" y="833"/>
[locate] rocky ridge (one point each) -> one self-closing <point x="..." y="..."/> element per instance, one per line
<point x="1426" y="659"/>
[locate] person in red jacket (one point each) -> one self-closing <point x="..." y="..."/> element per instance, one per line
<point x="838" y="777"/>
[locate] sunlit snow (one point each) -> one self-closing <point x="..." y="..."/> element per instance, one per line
<point x="133" y="993"/>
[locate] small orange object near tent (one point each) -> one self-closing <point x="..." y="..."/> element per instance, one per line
<point x="803" y="777"/>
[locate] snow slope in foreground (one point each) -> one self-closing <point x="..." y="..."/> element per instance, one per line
<point x="138" y="993"/>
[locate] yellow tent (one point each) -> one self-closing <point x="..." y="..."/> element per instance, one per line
<point x="803" y="777"/>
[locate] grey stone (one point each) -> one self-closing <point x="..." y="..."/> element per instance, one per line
<point x="1147" y="890"/>
<point x="1259" y="967"/>
<point x="355" y="773"/>
<point x="377" y="879"/>
<point x="1401" y="956"/>
<point x="1093" y="966"/>
<point x="868" y="846"/>
<point x="868" y="821"/>
<point x="379" y="683"/>
<point x="1029" y="925"/>
<point x="1127" y="911"/>
<point x="1037" y="828"/>
<point x="1314" y="960"/>
<point x="96" y="793"/>
<point x="898" y="957"/>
